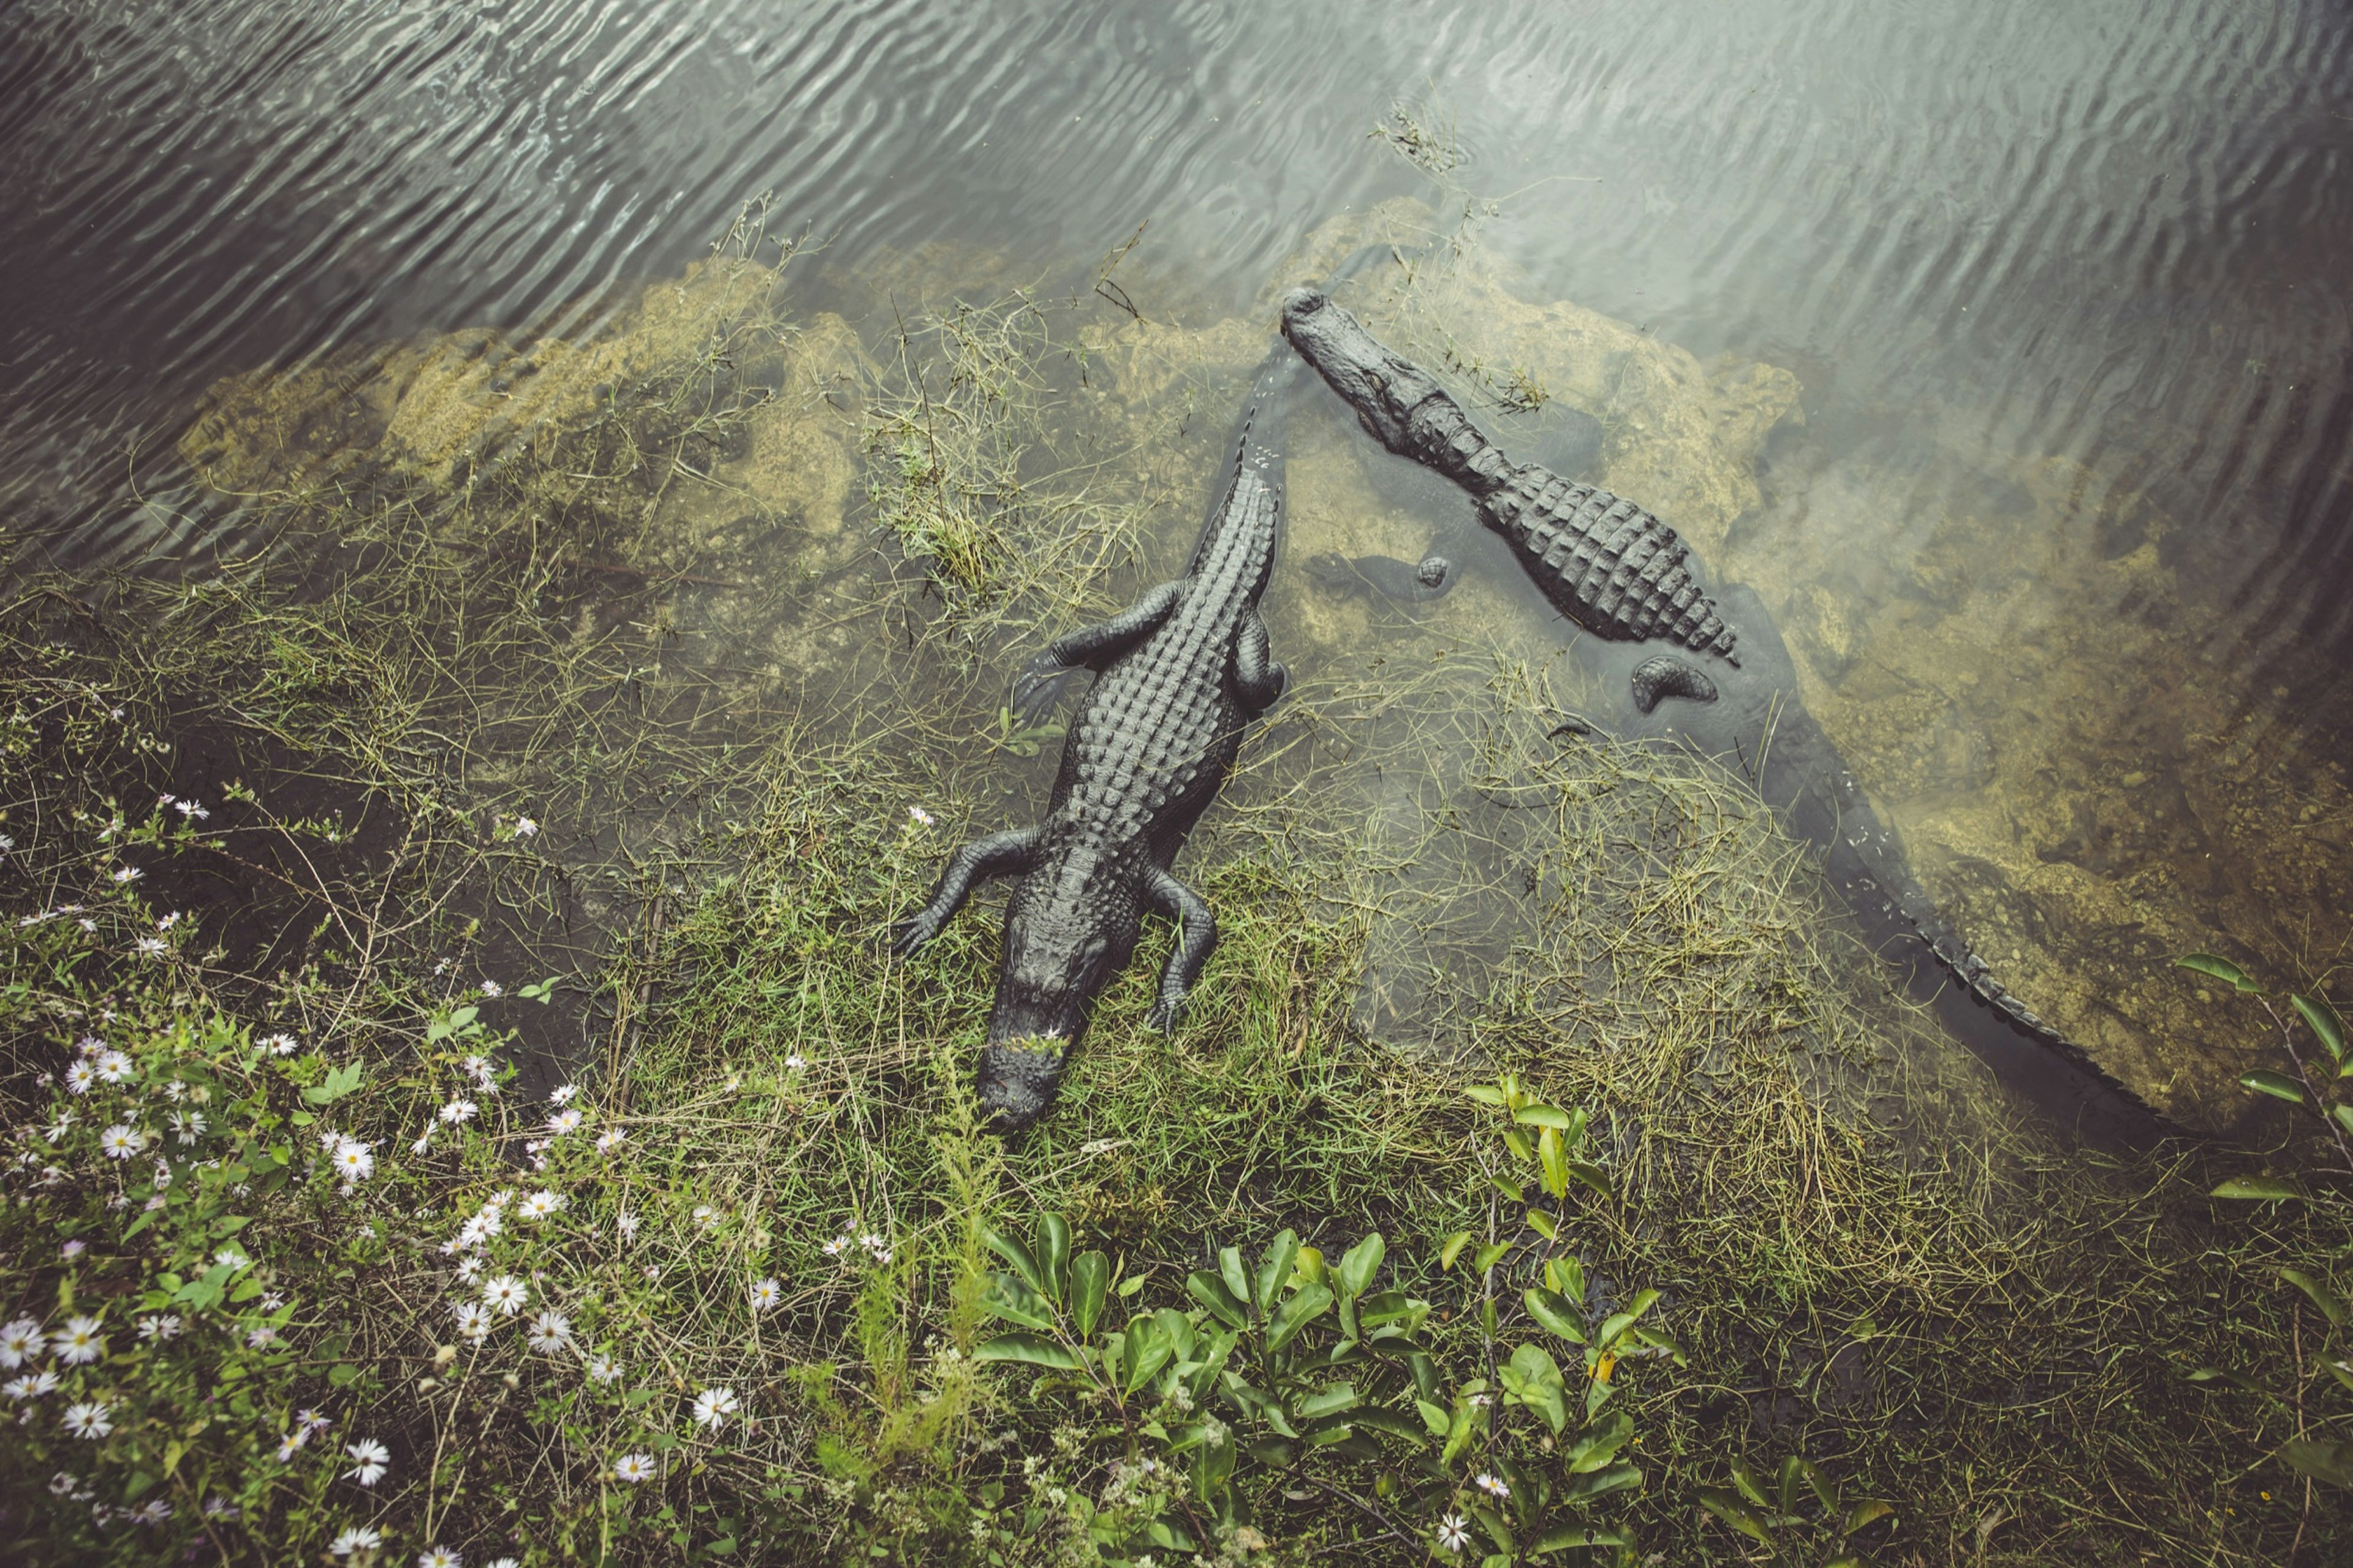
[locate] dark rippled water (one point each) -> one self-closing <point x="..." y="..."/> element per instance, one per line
<point x="2106" y="225"/>
<point x="2110" y="237"/>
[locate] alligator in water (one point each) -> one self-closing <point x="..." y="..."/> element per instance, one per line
<point x="1730" y="690"/>
<point x="1179" y="676"/>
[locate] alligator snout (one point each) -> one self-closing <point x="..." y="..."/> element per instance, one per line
<point x="1017" y="1086"/>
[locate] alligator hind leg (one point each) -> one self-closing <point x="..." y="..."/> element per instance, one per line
<point x="999" y="854"/>
<point x="1258" y="680"/>
<point x="1197" y="938"/>
<point x="1043" y="679"/>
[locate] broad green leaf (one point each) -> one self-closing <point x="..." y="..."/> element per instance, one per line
<point x="1486" y="1256"/>
<point x="1534" y="1379"/>
<point x="1013" y="1300"/>
<point x="1554" y="1159"/>
<point x="1619" y="1322"/>
<point x="1130" y="1286"/>
<point x="1485" y="1094"/>
<point x="1340" y="1396"/>
<point x="1054" y="1256"/>
<point x="1170" y="1536"/>
<point x="2325" y="1023"/>
<point x="1433" y="1416"/>
<point x="1733" y="1512"/>
<point x="1517" y="1142"/>
<point x="1024" y="1264"/>
<point x="2344" y="1114"/>
<point x="1275" y="1268"/>
<point x="1541" y="1223"/>
<point x="1459" y="1431"/>
<point x="1310" y="1268"/>
<point x="1601" y="1445"/>
<point x="2332" y="1306"/>
<point x="1566" y="1275"/>
<point x="1551" y="1309"/>
<point x="2342" y="1371"/>
<point x="2330" y="1462"/>
<point x="1090" y="1283"/>
<point x="1569" y="1535"/>
<point x="1453" y="1247"/>
<point x="1144" y="1351"/>
<point x="2220" y="968"/>
<point x="1359" y="1265"/>
<point x="1511" y="1189"/>
<point x="1497" y="1530"/>
<point x="1390" y="1422"/>
<point x="2258" y="1188"/>
<point x="1032" y="1350"/>
<point x="1178" y="1330"/>
<point x="1542" y="1116"/>
<point x="1211" y="1292"/>
<point x="1870" y="1510"/>
<point x="1751" y="1484"/>
<point x="342" y="1376"/>
<point x="2278" y="1085"/>
<point x="1592" y="1175"/>
<point x="1602" y="1482"/>
<point x="1231" y="1270"/>
<point x="1303" y="1309"/>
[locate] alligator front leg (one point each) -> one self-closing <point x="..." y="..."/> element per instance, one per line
<point x="1197" y="938"/>
<point x="1043" y="679"/>
<point x="1258" y="680"/>
<point x="998" y="855"/>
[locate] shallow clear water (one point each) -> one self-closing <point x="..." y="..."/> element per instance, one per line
<point x="2056" y="523"/>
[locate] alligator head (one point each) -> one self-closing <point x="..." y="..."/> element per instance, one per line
<point x="1062" y="944"/>
<point x="1401" y="403"/>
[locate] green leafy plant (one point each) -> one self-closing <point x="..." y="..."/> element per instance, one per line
<point x="1290" y="1372"/>
<point x="1773" y="1512"/>
<point x="2318" y="1087"/>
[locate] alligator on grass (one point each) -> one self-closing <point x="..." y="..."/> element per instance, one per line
<point x="1729" y="689"/>
<point x="1180" y="674"/>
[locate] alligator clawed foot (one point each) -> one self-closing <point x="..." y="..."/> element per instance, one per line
<point x="1037" y="689"/>
<point x="1166" y="1014"/>
<point x="911" y="933"/>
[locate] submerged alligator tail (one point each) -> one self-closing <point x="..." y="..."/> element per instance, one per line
<point x="1180" y="674"/>
<point x="1622" y="574"/>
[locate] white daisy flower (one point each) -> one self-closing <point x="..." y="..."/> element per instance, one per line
<point x="113" y="1067"/>
<point x="89" y="1419"/>
<point x="626" y="1223"/>
<point x="123" y="874"/>
<point x="796" y="1061"/>
<point x="492" y="988"/>
<point x="609" y="1142"/>
<point x="359" y="1538"/>
<point x="159" y="1329"/>
<point x="20" y="1341"/>
<point x="152" y="946"/>
<point x="562" y="1093"/>
<point x="563" y="1121"/>
<point x="526" y="827"/>
<point x="473" y="1319"/>
<point x="603" y="1368"/>
<point x="767" y="1296"/>
<point x="79" y="1077"/>
<point x="439" y="1557"/>
<point x="261" y="1338"/>
<point x="369" y="1460"/>
<point x="352" y="1162"/>
<point x="550" y="1332"/>
<point x="507" y="1294"/>
<point x="80" y="1344"/>
<point x="29" y="1386"/>
<point x="187" y="1125"/>
<point x="1454" y="1533"/>
<point x="468" y="1268"/>
<point x="918" y="814"/>
<point x="459" y="1111"/>
<point x="278" y="1044"/>
<point x="233" y="1258"/>
<point x="423" y="1145"/>
<point x="541" y="1206"/>
<point x="292" y="1444"/>
<point x="714" y="1406"/>
<point x="121" y="1141"/>
<point x="634" y="1468"/>
<point x="706" y="1217"/>
<point x="1493" y="1485"/>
